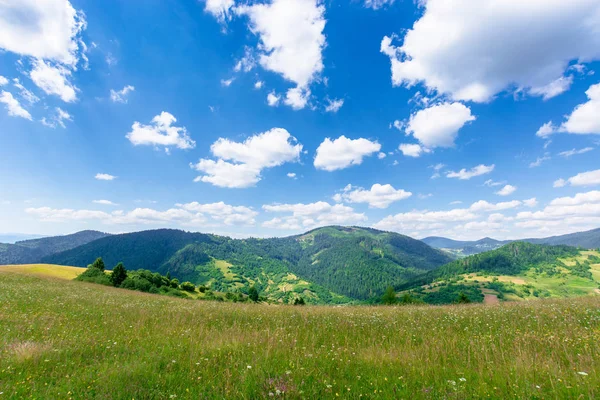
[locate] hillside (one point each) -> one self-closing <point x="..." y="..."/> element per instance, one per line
<point x="326" y="265"/>
<point x="460" y="248"/>
<point x="66" y="339"/>
<point x="516" y="271"/>
<point x="33" y="250"/>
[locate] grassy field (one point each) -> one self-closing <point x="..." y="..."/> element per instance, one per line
<point x="66" y="339"/>
<point x="44" y="270"/>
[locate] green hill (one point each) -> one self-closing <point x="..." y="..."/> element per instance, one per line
<point x="33" y="250"/>
<point x="326" y="265"/>
<point x="516" y="271"/>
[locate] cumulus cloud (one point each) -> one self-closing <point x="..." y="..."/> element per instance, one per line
<point x="585" y="118"/>
<point x="343" y="152"/>
<point x="273" y="99"/>
<point x="228" y="214"/>
<point x="258" y="84"/>
<point x="105" y="177"/>
<point x="291" y="175"/>
<point x="485" y="206"/>
<point x="120" y="96"/>
<point x="546" y="130"/>
<point x="412" y="149"/>
<point x="379" y="196"/>
<point x="161" y="132"/>
<point x="239" y="165"/>
<point x="589" y="178"/>
<point x="465" y="174"/>
<point x="297" y="98"/>
<point x="530" y="202"/>
<point x="307" y="216"/>
<point x="448" y="48"/>
<point x="334" y="105"/>
<point x="3" y="80"/>
<point x="554" y="88"/>
<point x="220" y="9"/>
<point x="506" y="190"/>
<point x="438" y="125"/>
<point x="54" y="80"/>
<point x="14" y="108"/>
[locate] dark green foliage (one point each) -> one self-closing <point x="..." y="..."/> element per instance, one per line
<point x="118" y="275"/>
<point x="174" y="283"/>
<point x="407" y="298"/>
<point x="582" y="270"/>
<point x="452" y="293"/>
<point x="253" y="294"/>
<point x="389" y="297"/>
<point x="99" y="264"/>
<point x="462" y="298"/>
<point x="188" y="287"/>
<point x="299" y="301"/>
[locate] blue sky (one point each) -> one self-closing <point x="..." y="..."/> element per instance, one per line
<point x="272" y="118"/>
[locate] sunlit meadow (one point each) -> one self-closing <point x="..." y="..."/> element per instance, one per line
<point x="66" y="339"/>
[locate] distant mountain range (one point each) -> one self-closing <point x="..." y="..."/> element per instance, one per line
<point x="587" y="240"/>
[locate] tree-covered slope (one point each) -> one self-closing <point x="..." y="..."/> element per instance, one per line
<point x="326" y="265"/>
<point x="33" y="250"/>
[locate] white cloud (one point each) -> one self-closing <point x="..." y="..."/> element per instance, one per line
<point x="343" y="152"/>
<point x="104" y="202"/>
<point x="291" y="175"/>
<point x="3" y="80"/>
<point x="381" y="155"/>
<point x="54" y="80"/>
<point x="265" y="150"/>
<point x="227" y="82"/>
<point x="297" y="98"/>
<point x="24" y="92"/>
<point x="438" y="125"/>
<point x="538" y="161"/>
<point x="506" y="190"/>
<point x="448" y="48"/>
<point x="334" y="105"/>
<point x="573" y="152"/>
<point x="105" y="177"/>
<point x="379" y="196"/>
<point x="229" y="215"/>
<point x="47" y="29"/>
<point x="484" y="206"/>
<point x="436" y="168"/>
<point x="273" y="99"/>
<point x="464" y="174"/>
<point x="307" y="216"/>
<point x="120" y="96"/>
<point x="377" y="4"/>
<point x="66" y="214"/>
<point x="554" y="88"/>
<point x="291" y="37"/>
<point x="59" y="118"/>
<point x="546" y="130"/>
<point x="161" y="132"/>
<point x="530" y="202"/>
<point x="258" y="84"/>
<point x="13" y="106"/>
<point x="492" y="183"/>
<point x="588" y="178"/>
<point x="585" y="118"/>
<point x="247" y="62"/>
<point x="220" y="9"/>
<point x="412" y="150"/>
<point x="423" y="220"/>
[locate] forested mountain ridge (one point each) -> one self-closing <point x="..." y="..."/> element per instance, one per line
<point x="324" y="265"/>
<point x="33" y="250"/>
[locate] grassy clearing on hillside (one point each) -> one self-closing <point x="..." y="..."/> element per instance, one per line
<point x="77" y="340"/>
<point x="49" y="270"/>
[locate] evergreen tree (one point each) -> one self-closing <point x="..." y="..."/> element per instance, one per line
<point x="119" y="274"/>
<point x="463" y="299"/>
<point x="98" y="264"/>
<point x="389" y="297"/>
<point x="253" y="294"/>
<point x="299" y="301"/>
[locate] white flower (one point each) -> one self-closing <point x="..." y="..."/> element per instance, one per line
<point x="582" y="373"/>
<point x="462" y="379"/>
<point x="249" y="366"/>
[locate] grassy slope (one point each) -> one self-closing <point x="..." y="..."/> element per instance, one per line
<point x="44" y="270"/>
<point x="61" y="339"/>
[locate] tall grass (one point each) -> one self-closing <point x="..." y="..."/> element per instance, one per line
<point x="62" y="339"/>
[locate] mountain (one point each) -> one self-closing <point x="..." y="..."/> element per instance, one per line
<point x="33" y="250"/>
<point x="518" y="270"/>
<point x="11" y="238"/>
<point x="325" y="265"/>
<point x="586" y="240"/>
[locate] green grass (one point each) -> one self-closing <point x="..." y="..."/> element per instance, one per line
<point x="66" y="339"/>
<point x="48" y="270"/>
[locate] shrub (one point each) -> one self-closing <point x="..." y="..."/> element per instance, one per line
<point x="253" y="294"/>
<point x="175" y="283"/>
<point x="299" y="301"/>
<point x="188" y="287"/>
<point x="118" y="275"/>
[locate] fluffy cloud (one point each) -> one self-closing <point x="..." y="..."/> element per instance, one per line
<point x="229" y="215"/>
<point x="448" y="48"/>
<point x="105" y="177"/>
<point x="47" y="30"/>
<point x="291" y="175"/>
<point x="484" y="206"/>
<point x="506" y="190"/>
<point x="239" y="165"/>
<point x="588" y="178"/>
<point x="530" y="202"/>
<point x="54" y="80"/>
<point x="13" y="106"/>
<point x="546" y="130"/>
<point x="379" y="196"/>
<point x="307" y="216"/>
<point x="58" y="119"/>
<point x="220" y="9"/>
<point x="297" y="98"/>
<point x="343" y="152"/>
<point x="334" y="105"/>
<point x="3" y="80"/>
<point x="438" y="125"/>
<point x="161" y="132"/>
<point x="412" y="150"/>
<point x="423" y="220"/>
<point x="120" y="96"/>
<point x="554" y="88"/>
<point x="273" y="99"/>
<point x="464" y="174"/>
<point x="585" y="118"/>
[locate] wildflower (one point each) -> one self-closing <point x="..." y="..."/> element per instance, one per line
<point x="462" y="379"/>
<point x="249" y="367"/>
<point x="582" y="373"/>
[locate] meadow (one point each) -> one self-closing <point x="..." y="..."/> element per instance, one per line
<point x="65" y="339"/>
